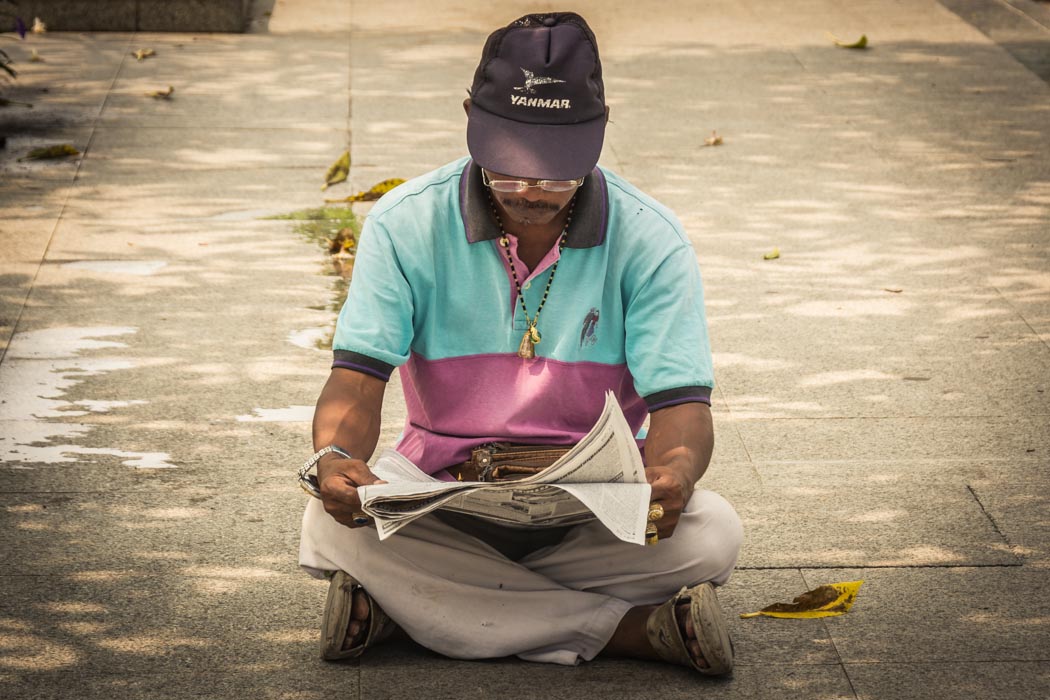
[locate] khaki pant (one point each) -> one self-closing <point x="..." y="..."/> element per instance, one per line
<point x="458" y="596"/>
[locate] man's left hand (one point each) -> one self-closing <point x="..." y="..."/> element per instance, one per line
<point x="672" y="489"/>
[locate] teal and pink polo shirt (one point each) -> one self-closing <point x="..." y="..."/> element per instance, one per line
<point x="433" y="294"/>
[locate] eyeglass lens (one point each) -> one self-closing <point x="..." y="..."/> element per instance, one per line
<point x="521" y="185"/>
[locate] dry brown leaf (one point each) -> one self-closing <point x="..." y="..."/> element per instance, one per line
<point x="713" y="140"/>
<point x="861" y="43"/>
<point x="162" y="94"/>
<point x="825" y="601"/>
<point x="143" y="54"/>
<point x="372" y="194"/>
<point x="51" y="152"/>
<point x="337" y="171"/>
<point x="343" y="242"/>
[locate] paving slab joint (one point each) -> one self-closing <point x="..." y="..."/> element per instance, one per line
<point x="1037" y="11"/>
<point x="991" y="519"/>
<point x="1020" y="27"/>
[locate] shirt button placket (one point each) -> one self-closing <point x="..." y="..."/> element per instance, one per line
<point x="520" y="323"/>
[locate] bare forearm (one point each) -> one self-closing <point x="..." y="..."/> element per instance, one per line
<point x="348" y="413"/>
<point x="681" y="437"/>
<point x="677" y="451"/>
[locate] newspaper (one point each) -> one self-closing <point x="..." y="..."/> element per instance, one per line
<point x="600" y="477"/>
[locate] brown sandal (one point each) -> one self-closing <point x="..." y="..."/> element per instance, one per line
<point x="708" y="621"/>
<point x="336" y="620"/>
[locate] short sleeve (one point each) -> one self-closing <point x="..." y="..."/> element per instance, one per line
<point x="374" y="331"/>
<point x="667" y="345"/>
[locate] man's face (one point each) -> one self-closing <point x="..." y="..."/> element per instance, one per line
<point x="532" y="207"/>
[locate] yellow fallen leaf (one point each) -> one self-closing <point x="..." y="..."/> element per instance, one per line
<point x="772" y="255"/>
<point x="34" y="57"/>
<point x="373" y="193"/>
<point x="162" y="94"/>
<point x="51" y="152"/>
<point x="825" y="601"/>
<point x="337" y="171"/>
<point x="713" y="140"/>
<point x="38" y="26"/>
<point x="143" y="54"/>
<point x="861" y="43"/>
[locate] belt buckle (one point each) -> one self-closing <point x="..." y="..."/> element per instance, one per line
<point x="481" y="460"/>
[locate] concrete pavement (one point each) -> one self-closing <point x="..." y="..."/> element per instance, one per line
<point x="883" y="387"/>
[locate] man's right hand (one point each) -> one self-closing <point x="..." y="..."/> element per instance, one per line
<point x="339" y="478"/>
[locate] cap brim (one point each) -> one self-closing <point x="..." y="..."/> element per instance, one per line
<point x="539" y="151"/>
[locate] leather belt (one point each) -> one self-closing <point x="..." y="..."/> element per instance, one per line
<point x="503" y="461"/>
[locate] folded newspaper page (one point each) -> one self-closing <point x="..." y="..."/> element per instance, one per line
<point x="600" y="477"/>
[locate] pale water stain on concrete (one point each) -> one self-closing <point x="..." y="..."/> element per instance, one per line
<point x="138" y="268"/>
<point x="105" y="406"/>
<point x="40" y="368"/>
<point x="312" y="338"/>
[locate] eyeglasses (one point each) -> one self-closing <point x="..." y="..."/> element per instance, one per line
<point x="517" y="186"/>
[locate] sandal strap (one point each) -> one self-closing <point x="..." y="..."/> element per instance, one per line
<point x="381" y="625"/>
<point x="712" y="632"/>
<point x="665" y="635"/>
<point x="336" y="620"/>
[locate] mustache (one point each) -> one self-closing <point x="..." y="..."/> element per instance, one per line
<point x="522" y="203"/>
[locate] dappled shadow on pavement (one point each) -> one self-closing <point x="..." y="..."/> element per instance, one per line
<point x="882" y="396"/>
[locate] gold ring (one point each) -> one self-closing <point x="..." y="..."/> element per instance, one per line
<point x="651" y="536"/>
<point x="656" y="512"/>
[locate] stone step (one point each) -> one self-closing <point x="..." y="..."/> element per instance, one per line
<point x="138" y="15"/>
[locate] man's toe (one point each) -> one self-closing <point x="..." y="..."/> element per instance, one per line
<point x="356" y="630"/>
<point x="685" y="621"/>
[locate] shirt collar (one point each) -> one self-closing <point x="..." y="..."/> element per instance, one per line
<point x="589" y="220"/>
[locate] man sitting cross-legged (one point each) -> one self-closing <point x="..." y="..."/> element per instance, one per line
<point x="514" y="288"/>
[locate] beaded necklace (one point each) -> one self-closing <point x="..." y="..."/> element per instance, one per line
<point x="527" y="349"/>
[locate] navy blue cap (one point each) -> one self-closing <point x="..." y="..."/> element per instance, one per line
<point x="538" y="101"/>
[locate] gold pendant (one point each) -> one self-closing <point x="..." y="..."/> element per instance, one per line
<point x="526" y="349"/>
